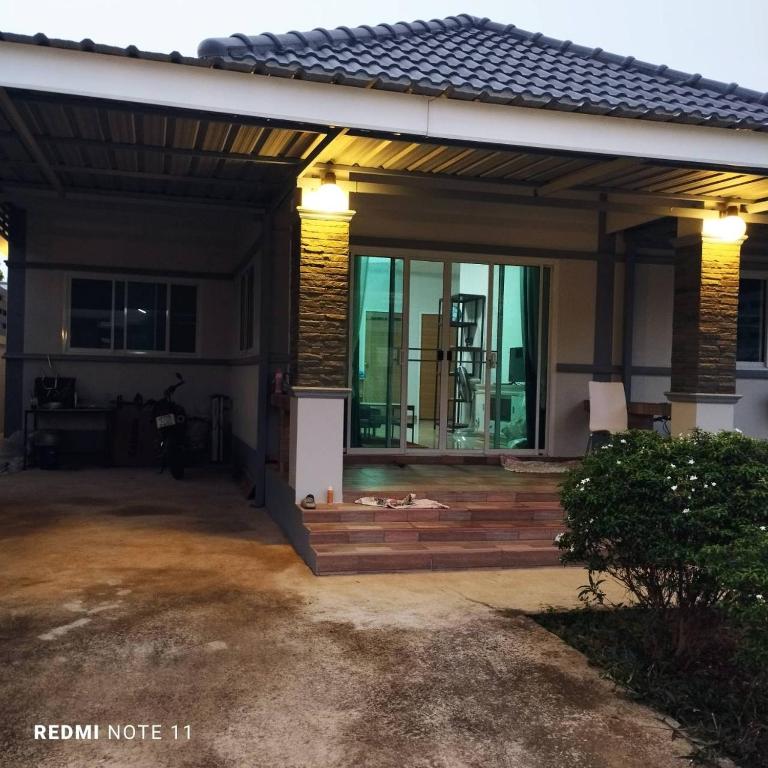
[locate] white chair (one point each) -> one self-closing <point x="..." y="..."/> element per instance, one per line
<point x="607" y="408"/>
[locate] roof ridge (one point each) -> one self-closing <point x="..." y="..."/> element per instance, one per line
<point x="294" y="40"/>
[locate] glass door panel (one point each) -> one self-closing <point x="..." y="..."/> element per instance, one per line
<point x="376" y="342"/>
<point x="466" y="353"/>
<point x="425" y="355"/>
<point x="518" y="373"/>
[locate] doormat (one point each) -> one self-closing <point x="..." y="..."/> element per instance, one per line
<point x="513" y="464"/>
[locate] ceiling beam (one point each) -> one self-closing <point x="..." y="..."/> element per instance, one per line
<point x="455" y="181"/>
<point x="16" y="121"/>
<point x="654" y="208"/>
<point x="310" y="159"/>
<point x="759" y="206"/>
<point x="145" y="176"/>
<point x="106" y="196"/>
<point x="202" y="154"/>
<point x="582" y="175"/>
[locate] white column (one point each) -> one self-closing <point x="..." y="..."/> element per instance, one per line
<point x="317" y="442"/>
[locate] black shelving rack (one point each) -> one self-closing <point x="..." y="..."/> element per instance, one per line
<point x="466" y="345"/>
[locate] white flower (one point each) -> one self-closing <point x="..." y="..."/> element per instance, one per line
<point x="624" y="442"/>
<point x="693" y="477"/>
<point x="686" y="511"/>
<point x="760" y="598"/>
<point x="713" y="483"/>
<point x="559" y="537"/>
<point x="739" y="431"/>
<point x="763" y="528"/>
<point x="691" y="461"/>
<point x="673" y="466"/>
<point x="668" y="477"/>
<point x="617" y="461"/>
<point x="674" y="487"/>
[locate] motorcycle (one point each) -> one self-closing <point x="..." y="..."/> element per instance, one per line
<point x="171" y="422"/>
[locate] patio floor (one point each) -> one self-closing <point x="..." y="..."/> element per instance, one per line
<point x="126" y="597"/>
<point x="447" y="477"/>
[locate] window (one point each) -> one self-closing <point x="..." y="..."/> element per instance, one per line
<point x="247" y="307"/>
<point x="132" y="315"/>
<point x="750" y="340"/>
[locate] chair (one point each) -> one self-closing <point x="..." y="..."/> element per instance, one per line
<point x="607" y="409"/>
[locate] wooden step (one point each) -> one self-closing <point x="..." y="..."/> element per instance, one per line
<point x="414" y="556"/>
<point x="451" y="530"/>
<point x="488" y="510"/>
<point x="529" y="493"/>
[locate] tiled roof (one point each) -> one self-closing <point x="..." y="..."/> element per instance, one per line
<point x="465" y="57"/>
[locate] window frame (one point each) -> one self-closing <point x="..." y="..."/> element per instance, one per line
<point x="757" y="365"/>
<point x="113" y="278"/>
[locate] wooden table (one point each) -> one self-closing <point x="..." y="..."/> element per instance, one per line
<point x="641" y="415"/>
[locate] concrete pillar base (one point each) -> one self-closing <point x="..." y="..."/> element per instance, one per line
<point x="316" y="459"/>
<point x="699" y="410"/>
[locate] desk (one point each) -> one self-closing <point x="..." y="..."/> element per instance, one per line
<point x="642" y="415"/>
<point x="55" y="416"/>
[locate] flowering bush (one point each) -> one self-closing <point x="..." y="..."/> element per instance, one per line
<point x="681" y="523"/>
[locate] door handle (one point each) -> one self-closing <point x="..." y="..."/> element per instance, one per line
<point x="440" y="355"/>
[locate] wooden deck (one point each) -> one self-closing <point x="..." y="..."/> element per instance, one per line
<point x="495" y="519"/>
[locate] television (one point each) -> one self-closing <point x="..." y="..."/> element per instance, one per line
<point x="516" y="365"/>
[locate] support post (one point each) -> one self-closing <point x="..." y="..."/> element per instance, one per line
<point x="319" y="354"/>
<point x="706" y="302"/>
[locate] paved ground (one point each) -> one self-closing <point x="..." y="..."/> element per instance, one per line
<point x="127" y="598"/>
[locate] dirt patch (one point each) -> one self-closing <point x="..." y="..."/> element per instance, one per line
<point x="122" y="612"/>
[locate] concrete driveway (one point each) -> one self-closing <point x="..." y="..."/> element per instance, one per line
<point x="127" y="598"/>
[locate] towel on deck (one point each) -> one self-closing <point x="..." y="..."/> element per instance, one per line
<point x="409" y="501"/>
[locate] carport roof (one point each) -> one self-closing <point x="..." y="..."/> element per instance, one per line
<point x="465" y="57"/>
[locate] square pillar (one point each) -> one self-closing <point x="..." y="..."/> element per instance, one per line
<point x="316" y="459"/>
<point x="319" y="354"/>
<point x="706" y="302"/>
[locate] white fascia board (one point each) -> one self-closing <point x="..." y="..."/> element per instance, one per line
<point x="187" y="87"/>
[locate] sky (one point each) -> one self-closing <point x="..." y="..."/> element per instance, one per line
<point x="724" y="41"/>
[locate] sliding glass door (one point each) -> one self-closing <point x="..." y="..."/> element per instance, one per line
<point x="518" y="370"/>
<point x="376" y="344"/>
<point x="448" y="356"/>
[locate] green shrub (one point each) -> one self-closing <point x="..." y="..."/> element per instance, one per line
<point x="682" y="523"/>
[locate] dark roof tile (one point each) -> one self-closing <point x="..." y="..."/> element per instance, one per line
<point x="465" y="57"/>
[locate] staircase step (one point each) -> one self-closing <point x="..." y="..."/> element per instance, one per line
<point x="410" y="556"/>
<point x="530" y="493"/>
<point x="457" y="531"/>
<point x="474" y="511"/>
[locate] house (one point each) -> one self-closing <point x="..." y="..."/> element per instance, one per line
<point x="438" y="232"/>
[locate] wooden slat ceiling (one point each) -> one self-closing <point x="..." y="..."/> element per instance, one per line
<point x="135" y="150"/>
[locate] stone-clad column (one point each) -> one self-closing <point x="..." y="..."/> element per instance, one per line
<point x="706" y="302"/>
<point x="319" y="354"/>
<point x="321" y="323"/>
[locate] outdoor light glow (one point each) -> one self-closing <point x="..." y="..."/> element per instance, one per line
<point x="3" y="248"/>
<point x="729" y="228"/>
<point x="329" y="198"/>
